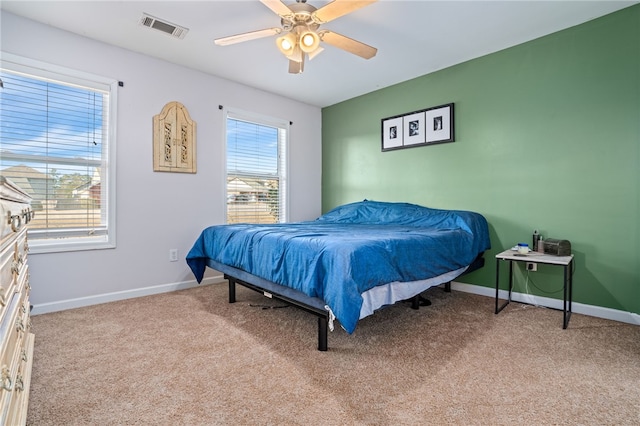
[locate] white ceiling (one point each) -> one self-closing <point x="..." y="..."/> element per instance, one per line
<point x="413" y="37"/>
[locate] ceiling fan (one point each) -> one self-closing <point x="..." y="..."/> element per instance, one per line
<point x="300" y="23"/>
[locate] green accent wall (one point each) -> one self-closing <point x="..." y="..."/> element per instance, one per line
<point x="547" y="137"/>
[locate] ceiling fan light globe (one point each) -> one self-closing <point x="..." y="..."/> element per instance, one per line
<point x="315" y="52"/>
<point x="309" y="41"/>
<point x="297" y="55"/>
<point x="286" y="44"/>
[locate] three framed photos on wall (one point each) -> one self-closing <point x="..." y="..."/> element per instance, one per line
<point x="418" y="128"/>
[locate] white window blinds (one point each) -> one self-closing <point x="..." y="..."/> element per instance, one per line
<point x="55" y="144"/>
<point x="256" y="170"/>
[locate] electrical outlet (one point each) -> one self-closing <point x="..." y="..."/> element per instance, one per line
<point x="173" y="255"/>
<point x="533" y="267"/>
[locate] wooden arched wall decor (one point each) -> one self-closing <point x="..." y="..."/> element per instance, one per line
<point x="174" y="140"/>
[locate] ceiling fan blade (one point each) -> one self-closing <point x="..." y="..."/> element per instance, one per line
<point x="225" y="41"/>
<point x="296" y="67"/>
<point x="278" y="8"/>
<point x="337" y="8"/>
<point x="350" y="45"/>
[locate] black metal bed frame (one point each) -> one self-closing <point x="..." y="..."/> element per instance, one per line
<point x="312" y="305"/>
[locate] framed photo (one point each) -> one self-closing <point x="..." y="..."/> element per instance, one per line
<point x="418" y="128"/>
<point x="414" y="130"/>
<point x="439" y="123"/>
<point x="392" y="133"/>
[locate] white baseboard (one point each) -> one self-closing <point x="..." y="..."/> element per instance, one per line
<point x="45" y="308"/>
<point x="578" y="308"/>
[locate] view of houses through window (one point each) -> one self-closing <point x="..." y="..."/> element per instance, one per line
<point x="53" y="145"/>
<point x="256" y="190"/>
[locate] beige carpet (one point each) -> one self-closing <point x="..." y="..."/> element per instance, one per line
<point x="191" y="358"/>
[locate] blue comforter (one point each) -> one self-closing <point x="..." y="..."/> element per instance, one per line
<point x="348" y="250"/>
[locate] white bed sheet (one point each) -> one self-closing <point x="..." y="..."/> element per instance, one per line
<point x="390" y="293"/>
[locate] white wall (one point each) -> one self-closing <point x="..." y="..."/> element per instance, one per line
<point x="157" y="211"/>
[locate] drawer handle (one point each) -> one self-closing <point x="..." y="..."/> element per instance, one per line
<point x="19" y="384"/>
<point x="19" y="325"/>
<point x="27" y="214"/>
<point x="15" y="267"/>
<point x="6" y="379"/>
<point x="15" y="220"/>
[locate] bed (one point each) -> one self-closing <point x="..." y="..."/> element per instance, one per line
<point x="349" y="262"/>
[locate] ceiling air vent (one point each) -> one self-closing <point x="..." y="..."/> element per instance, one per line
<point x="166" y="27"/>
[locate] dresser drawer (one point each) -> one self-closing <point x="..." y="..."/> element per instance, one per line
<point x="17" y="414"/>
<point x="9" y="277"/>
<point x="13" y="269"/>
<point x="14" y="217"/>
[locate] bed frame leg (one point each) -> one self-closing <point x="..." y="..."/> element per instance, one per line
<point x="232" y="290"/>
<point x="447" y="287"/>
<point x="415" y="302"/>
<point x="322" y="333"/>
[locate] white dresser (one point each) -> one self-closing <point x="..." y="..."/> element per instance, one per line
<point x="16" y="339"/>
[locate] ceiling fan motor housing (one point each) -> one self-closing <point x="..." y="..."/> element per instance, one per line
<point x="301" y="16"/>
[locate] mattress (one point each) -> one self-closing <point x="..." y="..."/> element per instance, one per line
<point x="344" y="254"/>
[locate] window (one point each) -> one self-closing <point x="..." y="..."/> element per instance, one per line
<point x="57" y="144"/>
<point x="256" y="169"/>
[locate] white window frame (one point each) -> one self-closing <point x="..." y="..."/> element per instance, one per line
<point x="238" y="114"/>
<point x="39" y="69"/>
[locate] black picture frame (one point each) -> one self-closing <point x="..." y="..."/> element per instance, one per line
<point x="427" y="126"/>
<point x="392" y="133"/>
